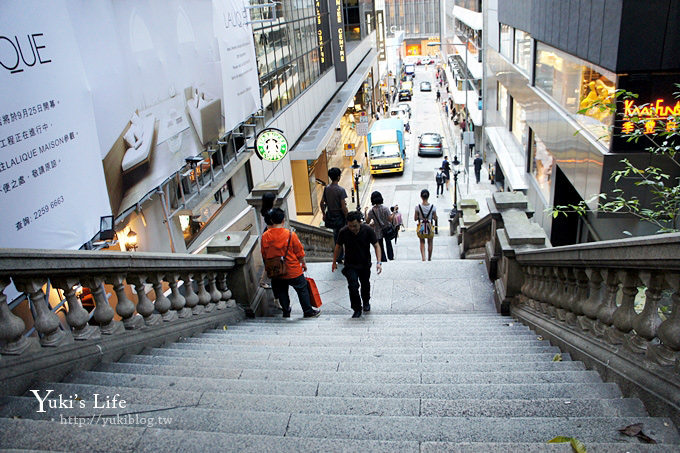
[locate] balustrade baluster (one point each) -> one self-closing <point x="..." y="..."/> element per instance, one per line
<point x="570" y="295"/>
<point x="591" y="305"/>
<point x="190" y="295"/>
<point x="77" y="317"/>
<point x="624" y="315"/>
<point x="226" y="292"/>
<point x="177" y="301"/>
<point x="552" y="298"/>
<point x="605" y="312"/>
<point x="103" y="312"/>
<point x="543" y="289"/>
<point x="646" y="324"/>
<point x="523" y="296"/>
<point x="125" y="307"/>
<point x="144" y="306"/>
<point x="204" y="297"/>
<point x="12" y="327"/>
<point x="215" y="294"/>
<point x="162" y="303"/>
<point x="46" y="322"/>
<point x="668" y="352"/>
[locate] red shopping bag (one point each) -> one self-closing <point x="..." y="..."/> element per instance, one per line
<point x="314" y="296"/>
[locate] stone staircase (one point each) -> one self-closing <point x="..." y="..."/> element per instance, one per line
<point x="462" y="382"/>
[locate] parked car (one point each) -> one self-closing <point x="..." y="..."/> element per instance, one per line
<point x="430" y="144"/>
<point x="425" y="86"/>
<point x="400" y="112"/>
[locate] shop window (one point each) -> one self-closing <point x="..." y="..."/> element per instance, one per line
<point x="523" y="51"/>
<point x="542" y="165"/>
<point x="578" y="86"/>
<point x="506" y="41"/>
<point x="518" y="124"/>
<point x="502" y="102"/>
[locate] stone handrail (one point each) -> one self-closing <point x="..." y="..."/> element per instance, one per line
<point x="30" y="270"/>
<point x="317" y="241"/>
<point x="615" y="303"/>
<point x="472" y="239"/>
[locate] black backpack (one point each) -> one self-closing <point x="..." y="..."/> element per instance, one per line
<point x="439" y="178"/>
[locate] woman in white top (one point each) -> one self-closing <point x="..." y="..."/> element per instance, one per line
<point x="425" y="215"/>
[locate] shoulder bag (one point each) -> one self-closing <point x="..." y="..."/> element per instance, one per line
<point x="276" y="265"/>
<point x="388" y="231"/>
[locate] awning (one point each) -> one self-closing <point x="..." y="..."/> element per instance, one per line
<point x="315" y="139"/>
<point x="512" y="165"/>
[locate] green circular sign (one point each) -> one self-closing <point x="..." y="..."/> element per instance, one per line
<point x="271" y="145"/>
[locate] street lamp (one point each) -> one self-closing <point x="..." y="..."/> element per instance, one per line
<point x="356" y="169"/>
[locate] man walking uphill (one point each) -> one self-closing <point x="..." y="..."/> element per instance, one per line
<point x="357" y="239"/>
<point x="478" y="162"/>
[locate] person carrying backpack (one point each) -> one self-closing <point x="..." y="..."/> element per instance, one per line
<point x="440" y="179"/>
<point x="425" y="215"/>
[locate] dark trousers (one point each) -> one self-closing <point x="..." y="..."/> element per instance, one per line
<point x="280" y="289"/>
<point x="478" y="174"/>
<point x="440" y="188"/>
<point x="386" y="246"/>
<point x="358" y="277"/>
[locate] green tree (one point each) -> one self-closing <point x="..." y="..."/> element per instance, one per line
<point x="662" y="137"/>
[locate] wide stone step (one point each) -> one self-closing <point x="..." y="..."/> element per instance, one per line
<point x="424" y="333"/>
<point x="28" y="407"/>
<point x="190" y="365"/>
<point x="316" y="388"/>
<point x="346" y="357"/>
<point x="460" y="429"/>
<point x="321" y="349"/>
<point x="403" y="377"/>
<point x="539" y="447"/>
<point x="50" y="436"/>
<point x="305" y="340"/>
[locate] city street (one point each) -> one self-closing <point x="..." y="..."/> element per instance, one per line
<point x="404" y="190"/>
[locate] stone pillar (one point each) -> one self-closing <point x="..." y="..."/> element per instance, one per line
<point x="46" y="322"/>
<point x="12" y="327"/>
<point x="513" y="211"/>
<point x="190" y="295"/>
<point x="125" y="307"/>
<point x="668" y="352"/>
<point x="177" y="301"/>
<point x="103" y="312"/>
<point x="204" y="298"/>
<point x="144" y="305"/>
<point x="162" y="303"/>
<point x="77" y="317"/>
<point x="243" y="279"/>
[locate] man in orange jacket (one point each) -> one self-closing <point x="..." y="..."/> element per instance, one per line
<point x="280" y="241"/>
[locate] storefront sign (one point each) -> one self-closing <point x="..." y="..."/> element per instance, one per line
<point x="239" y="65"/>
<point x="653" y="117"/>
<point x="52" y="189"/>
<point x="350" y="150"/>
<point x="271" y="145"/>
<point x="338" y="28"/>
<point x="380" y="30"/>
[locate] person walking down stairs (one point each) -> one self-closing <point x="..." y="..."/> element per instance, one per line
<point x="357" y="239"/>
<point x="279" y="242"/>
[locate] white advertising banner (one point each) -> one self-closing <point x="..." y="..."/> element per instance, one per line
<point x="239" y="64"/>
<point x="52" y="187"/>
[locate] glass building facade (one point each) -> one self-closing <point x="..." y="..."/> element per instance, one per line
<point x="290" y="55"/>
<point x="418" y="19"/>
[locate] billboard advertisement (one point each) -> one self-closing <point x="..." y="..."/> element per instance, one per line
<point x="104" y="101"/>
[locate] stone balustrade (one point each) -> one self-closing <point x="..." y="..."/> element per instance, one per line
<point x="616" y="306"/>
<point x="30" y="270"/>
<point x="318" y="242"/>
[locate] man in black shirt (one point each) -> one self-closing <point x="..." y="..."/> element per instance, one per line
<point x="478" y="162"/>
<point x="357" y="238"/>
<point x="334" y="205"/>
